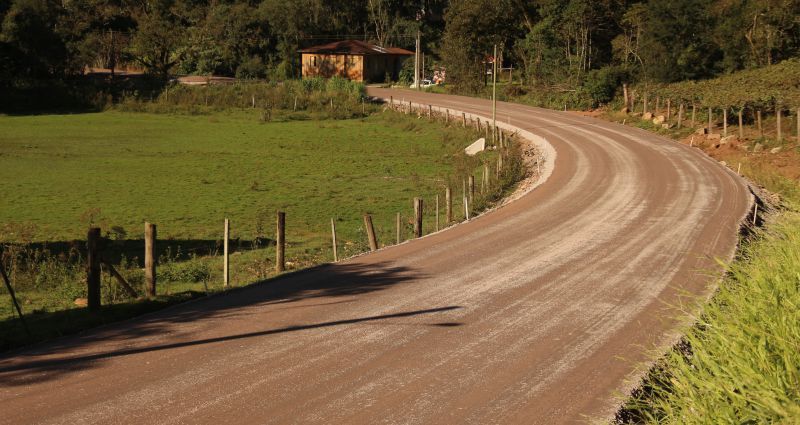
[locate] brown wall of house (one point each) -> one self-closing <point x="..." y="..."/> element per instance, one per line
<point x="353" y="67"/>
<point x="326" y="66"/>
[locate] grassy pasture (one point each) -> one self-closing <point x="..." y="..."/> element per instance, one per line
<point x="186" y="173"/>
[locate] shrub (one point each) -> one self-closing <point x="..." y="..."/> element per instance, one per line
<point x="252" y="68"/>
<point x="601" y="84"/>
<point x="193" y="270"/>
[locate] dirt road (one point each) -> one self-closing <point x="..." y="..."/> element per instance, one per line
<point x="534" y="313"/>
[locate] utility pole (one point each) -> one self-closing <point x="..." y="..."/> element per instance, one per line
<point x="416" y="63"/>
<point x="420" y="14"/>
<point x="494" y="93"/>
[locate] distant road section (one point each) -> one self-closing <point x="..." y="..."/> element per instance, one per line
<point x="538" y="312"/>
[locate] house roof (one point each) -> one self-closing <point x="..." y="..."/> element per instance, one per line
<point x="355" y="47"/>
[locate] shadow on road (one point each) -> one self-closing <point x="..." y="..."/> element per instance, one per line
<point x="51" y="360"/>
<point x="67" y="361"/>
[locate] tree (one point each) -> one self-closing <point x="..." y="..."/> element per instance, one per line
<point x="758" y="32"/>
<point x="473" y="27"/>
<point x="379" y="18"/>
<point x="31" y="39"/>
<point x="157" y="41"/>
<point x="677" y="43"/>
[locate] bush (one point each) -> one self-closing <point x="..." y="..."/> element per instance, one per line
<point x="313" y="95"/>
<point x="601" y="84"/>
<point x="252" y="68"/>
<point x="193" y="271"/>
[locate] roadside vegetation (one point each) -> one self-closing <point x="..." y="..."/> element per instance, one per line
<point x="738" y="363"/>
<point x="195" y="156"/>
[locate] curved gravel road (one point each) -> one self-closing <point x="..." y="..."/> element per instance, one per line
<point x="538" y="312"/>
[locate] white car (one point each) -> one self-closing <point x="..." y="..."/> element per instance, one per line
<point x="424" y="84"/>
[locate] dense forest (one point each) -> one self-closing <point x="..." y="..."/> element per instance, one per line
<point x="553" y="43"/>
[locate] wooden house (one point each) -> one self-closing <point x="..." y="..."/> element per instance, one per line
<point x="354" y="60"/>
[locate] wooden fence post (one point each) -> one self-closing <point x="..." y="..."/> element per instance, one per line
<point x="669" y="109"/>
<point x="741" y="124"/>
<point x="680" y="115"/>
<point x="499" y="165"/>
<point x="464" y="192"/>
<point x="226" y="271"/>
<point x="471" y="184"/>
<point x="437" y="212"/>
<point x="373" y="241"/>
<point x="797" y="111"/>
<point x="710" y="123"/>
<point x="725" y="121"/>
<point x="778" y="115"/>
<point x="430" y="112"/>
<point x="760" y="127"/>
<point x="333" y="240"/>
<point x="280" y="242"/>
<point x="466" y="209"/>
<point x="658" y="104"/>
<point x="448" y="202"/>
<point x="464" y="119"/>
<point x="625" y="96"/>
<point x="398" y="228"/>
<point x="93" y="268"/>
<point x="644" y="104"/>
<point x="694" y="115"/>
<point x="417" y="217"/>
<point x="483" y="180"/>
<point x="150" y="259"/>
<point x="447" y="116"/>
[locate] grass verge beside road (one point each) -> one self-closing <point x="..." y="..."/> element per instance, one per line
<point x="740" y="361"/>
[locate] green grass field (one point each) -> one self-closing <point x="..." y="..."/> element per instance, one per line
<point x="187" y="173"/>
